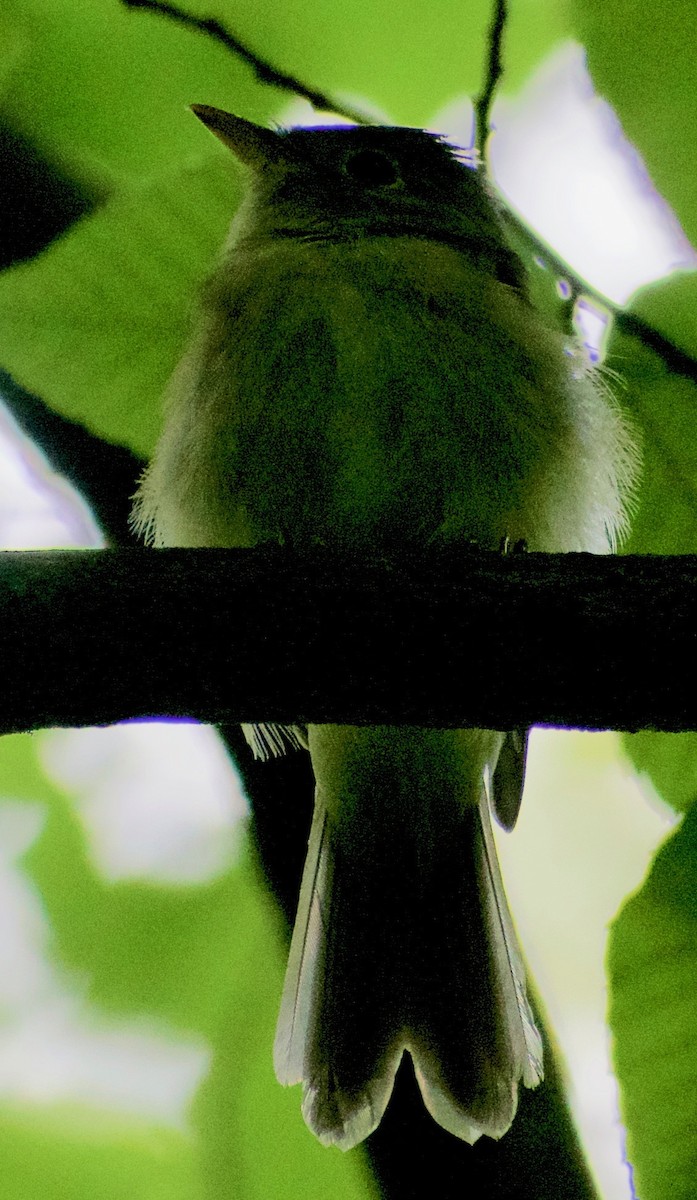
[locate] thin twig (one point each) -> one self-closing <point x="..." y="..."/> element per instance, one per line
<point x="264" y="72"/>
<point x="680" y="361"/>
<point x="483" y="103"/>
<point x="676" y="359"/>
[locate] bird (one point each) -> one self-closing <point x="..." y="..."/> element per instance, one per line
<point x="367" y="372"/>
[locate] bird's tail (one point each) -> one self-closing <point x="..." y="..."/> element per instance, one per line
<point x="403" y="940"/>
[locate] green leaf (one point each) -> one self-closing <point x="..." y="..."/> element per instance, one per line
<point x="21" y="775"/>
<point x="642" y="60"/>
<point x="96" y="323"/>
<point x="69" y="1153"/>
<point x="652" y="963"/>
<point x="670" y="306"/>
<point x="205" y="959"/>
<point x="103" y="89"/>
<point x="533" y="27"/>
<point x="670" y="760"/>
<point x="271" y="1149"/>
<point x="664" y="406"/>
<point x="174" y="952"/>
<point x="13" y="46"/>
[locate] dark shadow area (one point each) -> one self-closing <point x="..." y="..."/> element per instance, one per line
<point x="105" y="474"/>
<point x="38" y="200"/>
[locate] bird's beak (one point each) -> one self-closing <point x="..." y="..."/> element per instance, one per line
<point x="250" y="143"/>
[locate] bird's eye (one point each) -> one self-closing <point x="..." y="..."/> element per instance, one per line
<point x="372" y="169"/>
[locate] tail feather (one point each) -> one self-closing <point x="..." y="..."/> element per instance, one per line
<point x="527" y="1043"/>
<point x="346" y="1059"/>
<point x="403" y="941"/>
<point x="305" y="972"/>
<point x="475" y="1037"/>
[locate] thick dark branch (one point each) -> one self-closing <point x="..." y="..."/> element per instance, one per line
<point x="93" y="637"/>
<point x="264" y="72"/>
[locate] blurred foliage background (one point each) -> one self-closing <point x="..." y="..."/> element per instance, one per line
<point x="142" y="955"/>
